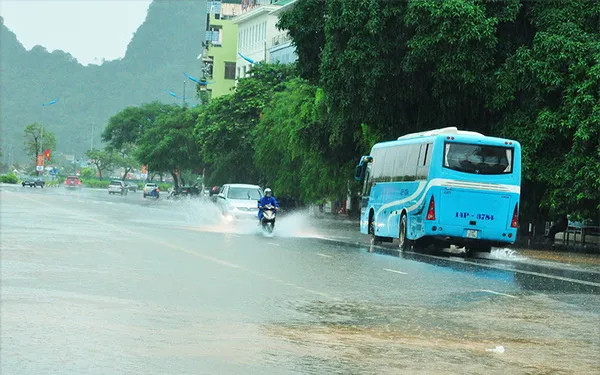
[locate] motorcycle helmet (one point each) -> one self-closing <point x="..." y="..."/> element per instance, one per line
<point x="268" y="192"/>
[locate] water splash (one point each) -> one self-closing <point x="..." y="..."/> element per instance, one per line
<point x="505" y="254"/>
<point x="206" y="216"/>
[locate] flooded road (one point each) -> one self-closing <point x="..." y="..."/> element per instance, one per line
<point x="99" y="284"/>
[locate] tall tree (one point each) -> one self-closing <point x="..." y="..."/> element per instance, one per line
<point x="289" y="152"/>
<point x="226" y="125"/>
<point x="305" y="25"/>
<point x="33" y="142"/>
<point x="170" y="146"/>
<point x="104" y="160"/>
<point x="129" y="124"/>
<point x="549" y="94"/>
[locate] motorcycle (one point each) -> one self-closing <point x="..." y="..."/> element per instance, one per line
<point x="268" y="218"/>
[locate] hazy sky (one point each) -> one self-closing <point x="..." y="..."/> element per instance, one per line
<point x="87" y="29"/>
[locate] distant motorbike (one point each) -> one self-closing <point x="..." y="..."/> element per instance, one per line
<point x="268" y="219"/>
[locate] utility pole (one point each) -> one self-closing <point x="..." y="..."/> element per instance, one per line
<point x="92" y="140"/>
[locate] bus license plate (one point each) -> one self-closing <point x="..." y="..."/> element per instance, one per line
<point x="471" y="233"/>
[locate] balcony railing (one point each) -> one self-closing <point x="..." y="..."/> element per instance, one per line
<point x="281" y="39"/>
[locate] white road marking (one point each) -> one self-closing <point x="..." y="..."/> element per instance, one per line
<point x="272" y="243"/>
<point x="324" y="255"/>
<point x="395" y="271"/>
<point x="498" y="293"/>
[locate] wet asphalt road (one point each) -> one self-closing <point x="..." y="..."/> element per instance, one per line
<point x="98" y="284"/>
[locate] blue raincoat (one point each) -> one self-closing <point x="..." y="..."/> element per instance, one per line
<point x="265" y="201"/>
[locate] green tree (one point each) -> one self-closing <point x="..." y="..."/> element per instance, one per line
<point x="549" y="93"/>
<point x="125" y="158"/>
<point x="288" y="153"/>
<point x="127" y="126"/>
<point x="305" y="25"/>
<point x="170" y="145"/>
<point x="225" y="127"/>
<point x="33" y="142"/>
<point x="104" y="160"/>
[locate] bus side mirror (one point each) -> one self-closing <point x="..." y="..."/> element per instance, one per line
<point x="358" y="173"/>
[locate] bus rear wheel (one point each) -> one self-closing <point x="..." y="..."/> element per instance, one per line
<point x="403" y="242"/>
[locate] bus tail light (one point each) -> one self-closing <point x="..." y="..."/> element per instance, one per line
<point x="514" y="223"/>
<point x="431" y="210"/>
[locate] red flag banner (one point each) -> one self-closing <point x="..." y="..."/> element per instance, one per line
<point x="40" y="160"/>
<point x="47" y="154"/>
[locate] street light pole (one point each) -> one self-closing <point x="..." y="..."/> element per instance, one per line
<point x="184" y="93"/>
<point x="92" y="140"/>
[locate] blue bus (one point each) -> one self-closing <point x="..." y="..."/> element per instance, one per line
<point x="442" y="187"/>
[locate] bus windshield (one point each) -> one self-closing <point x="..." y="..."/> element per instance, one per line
<point x="478" y="159"/>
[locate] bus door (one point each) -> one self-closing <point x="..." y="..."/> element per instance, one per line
<point x="366" y="190"/>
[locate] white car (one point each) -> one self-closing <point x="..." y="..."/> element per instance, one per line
<point x="239" y="201"/>
<point x="117" y="187"/>
<point x="151" y="189"/>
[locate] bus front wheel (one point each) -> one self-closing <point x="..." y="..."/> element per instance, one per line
<point x="374" y="239"/>
<point x="403" y="242"/>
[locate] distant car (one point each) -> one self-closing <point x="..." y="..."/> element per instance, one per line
<point x="131" y="186"/>
<point x="73" y="182"/>
<point x="117" y="187"/>
<point x="239" y="201"/>
<point x="33" y="182"/>
<point x="152" y="190"/>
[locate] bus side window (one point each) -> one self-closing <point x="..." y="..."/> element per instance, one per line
<point x="424" y="161"/>
<point x="412" y="163"/>
<point x="401" y="156"/>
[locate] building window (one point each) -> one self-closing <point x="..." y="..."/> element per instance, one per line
<point x="229" y="70"/>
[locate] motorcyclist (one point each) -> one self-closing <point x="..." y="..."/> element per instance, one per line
<point x="266" y="200"/>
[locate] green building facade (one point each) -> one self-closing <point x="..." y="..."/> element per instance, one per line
<point x="222" y="53"/>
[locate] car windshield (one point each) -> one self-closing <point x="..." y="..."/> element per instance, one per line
<point x="478" y="159"/>
<point x="243" y="193"/>
<point x="150" y="185"/>
<point x="115" y="183"/>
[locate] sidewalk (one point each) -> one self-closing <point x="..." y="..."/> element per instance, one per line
<point x="348" y="231"/>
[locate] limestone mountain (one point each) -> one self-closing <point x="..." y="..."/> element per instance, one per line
<point x="164" y="46"/>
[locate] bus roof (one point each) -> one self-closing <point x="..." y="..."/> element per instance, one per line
<point x="434" y="132"/>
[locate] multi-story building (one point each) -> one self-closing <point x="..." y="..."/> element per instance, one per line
<point x="282" y="50"/>
<point x="220" y="54"/>
<point x="257" y="32"/>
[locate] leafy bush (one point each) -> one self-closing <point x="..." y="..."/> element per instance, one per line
<point x="10" y="178"/>
<point x="95" y="183"/>
<point x="165" y="187"/>
<point x="88" y="173"/>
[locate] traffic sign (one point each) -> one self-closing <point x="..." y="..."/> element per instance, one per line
<point x="39" y="168"/>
